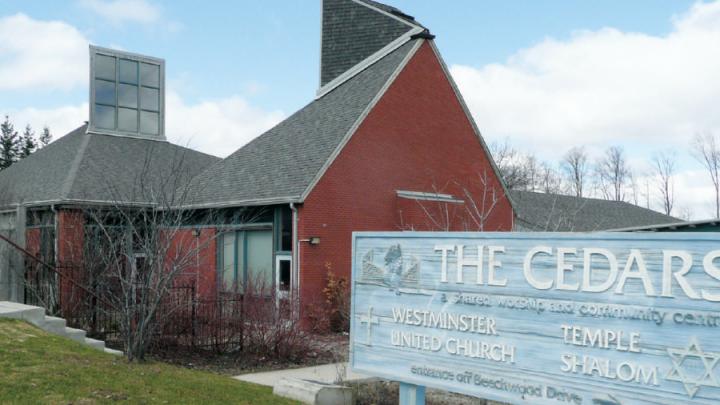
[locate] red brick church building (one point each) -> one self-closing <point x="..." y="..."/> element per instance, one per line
<point x="386" y="144"/>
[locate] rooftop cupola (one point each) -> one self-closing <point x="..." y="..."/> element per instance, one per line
<point x="127" y="94"/>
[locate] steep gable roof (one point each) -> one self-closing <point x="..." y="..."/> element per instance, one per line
<point x="86" y="167"/>
<point x="355" y="30"/>
<point x="281" y="164"/>
<point x="563" y="213"/>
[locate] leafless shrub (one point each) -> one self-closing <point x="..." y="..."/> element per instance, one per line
<point x="272" y="326"/>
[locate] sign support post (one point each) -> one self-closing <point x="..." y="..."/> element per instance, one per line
<point x="412" y="394"/>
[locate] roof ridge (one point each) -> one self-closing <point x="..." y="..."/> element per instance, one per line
<point x="360" y="67"/>
<point x="74" y="167"/>
<point x="340" y="31"/>
<point x="648" y="209"/>
<point x="366" y="111"/>
<point x="390" y="10"/>
<point x="571" y="196"/>
<point x="298" y="147"/>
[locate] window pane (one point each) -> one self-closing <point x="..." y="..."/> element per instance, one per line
<point x="128" y="71"/>
<point x="149" y="123"/>
<point x="228" y="261"/>
<point x="104" y="67"/>
<point x="259" y="260"/>
<point x="149" y="99"/>
<point x="104" y="92"/>
<point x="286" y="230"/>
<point x="127" y="95"/>
<point x="104" y="117"/>
<point x="127" y="119"/>
<point x="149" y="75"/>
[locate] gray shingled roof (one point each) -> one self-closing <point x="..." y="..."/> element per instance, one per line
<point x="352" y="32"/>
<point x="94" y="167"/>
<point x="282" y="163"/>
<point x="562" y="213"/>
<point x="393" y="10"/>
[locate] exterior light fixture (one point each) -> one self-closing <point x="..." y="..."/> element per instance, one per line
<point x="313" y="240"/>
<point x="196" y="232"/>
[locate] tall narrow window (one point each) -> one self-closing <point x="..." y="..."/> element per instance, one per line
<point x="229" y="268"/>
<point x="127" y="93"/>
<point x="260" y="261"/>
<point x="246" y="259"/>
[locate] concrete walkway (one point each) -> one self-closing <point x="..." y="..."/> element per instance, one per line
<point x="329" y="374"/>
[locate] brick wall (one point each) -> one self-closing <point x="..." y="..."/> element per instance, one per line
<point x="70" y="244"/>
<point x="417" y="138"/>
<point x="197" y="255"/>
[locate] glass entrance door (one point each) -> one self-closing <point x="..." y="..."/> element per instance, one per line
<point x="283" y="270"/>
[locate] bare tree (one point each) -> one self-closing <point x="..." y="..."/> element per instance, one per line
<point x="664" y="165"/>
<point x="646" y="192"/>
<point x="613" y="174"/>
<point x="634" y="188"/>
<point x="480" y="208"/>
<point x="575" y="167"/>
<point x="509" y="163"/>
<point x="550" y="180"/>
<point x="134" y="255"/>
<point x="471" y="209"/>
<point x="532" y="171"/>
<point x="706" y="149"/>
<point x="524" y="171"/>
<point x="685" y="213"/>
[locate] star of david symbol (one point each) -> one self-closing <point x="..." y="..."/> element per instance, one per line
<point x="679" y="373"/>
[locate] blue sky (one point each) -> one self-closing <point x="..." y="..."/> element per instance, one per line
<point x="269" y="50"/>
<point x="546" y="75"/>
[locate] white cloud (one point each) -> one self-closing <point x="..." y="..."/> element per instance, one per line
<point x="61" y="120"/>
<point x="41" y="54"/>
<point x="609" y="87"/>
<point x="121" y="11"/>
<point x="694" y="192"/>
<point x="218" y="127"/>
<point x="603" y="87"/>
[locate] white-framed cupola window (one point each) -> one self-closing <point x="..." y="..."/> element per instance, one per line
<point x="127" y="94"/>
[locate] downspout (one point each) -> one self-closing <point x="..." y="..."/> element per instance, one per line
<point x="295" y="282"/>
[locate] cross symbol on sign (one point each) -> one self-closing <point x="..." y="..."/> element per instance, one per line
<point x="370" y="320"/>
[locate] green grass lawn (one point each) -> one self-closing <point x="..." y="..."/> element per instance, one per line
<point x="39" y="368"/>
